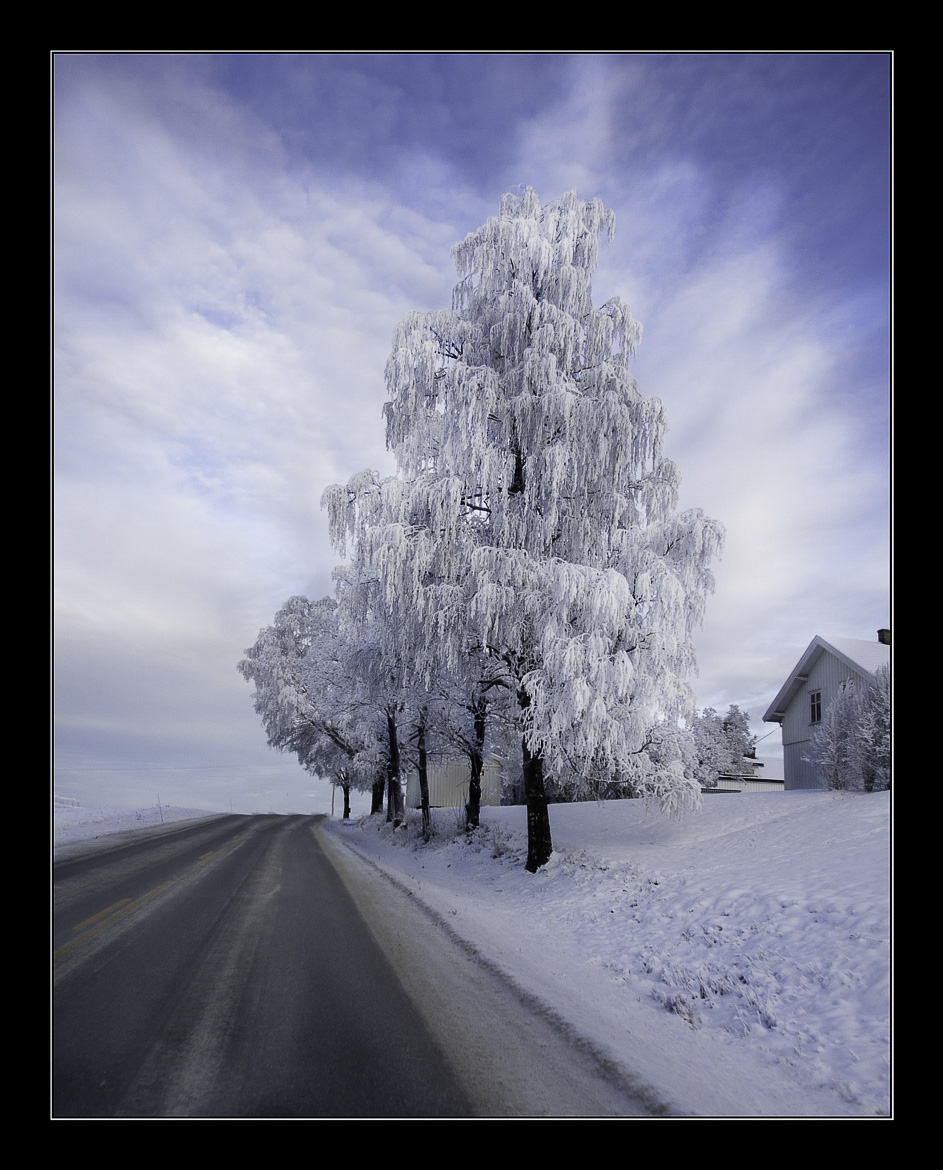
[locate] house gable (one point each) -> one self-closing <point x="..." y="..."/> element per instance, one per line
<point x="813" y="684"/>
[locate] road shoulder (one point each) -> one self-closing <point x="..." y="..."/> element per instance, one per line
<point x="513" y="1057"/>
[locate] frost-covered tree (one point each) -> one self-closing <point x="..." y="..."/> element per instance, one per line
<point x="721" y="743"/>
<point x="376" y="680"/>
<point x="301" y="668"/>
<point x="874" y="732"/>
<point x="851" y="747"/>
<point x="539" y="514"/>
<point x="832" y="747"/>
<point x="396" y="556"/>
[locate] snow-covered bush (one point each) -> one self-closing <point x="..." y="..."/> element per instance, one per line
<point x="721" y="743"/>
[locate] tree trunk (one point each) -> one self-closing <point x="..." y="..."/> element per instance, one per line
<point x="473" y="805"/>
<point x="376" y="795"/>
<point x="423" y="781"/>
<point x="394" y="800"/>
<point x="476" y="759"/>
<point x="539" y="842"/>
<point x="346" y="789"/>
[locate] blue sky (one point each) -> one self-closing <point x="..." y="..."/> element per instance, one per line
<point x="236" y="237"/>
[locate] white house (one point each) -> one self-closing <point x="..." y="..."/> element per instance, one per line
<point x="813" y="684"/>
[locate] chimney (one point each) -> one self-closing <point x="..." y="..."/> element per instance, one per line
<point x="884" y="637"/>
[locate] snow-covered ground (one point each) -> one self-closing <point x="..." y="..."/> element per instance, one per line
<point x="738" y="961"/>
<point x="72" y="823"/>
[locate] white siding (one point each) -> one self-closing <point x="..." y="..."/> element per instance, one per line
<point x="448" y="784"/>
<point x="827" y="675"/>
<point x="746" y="784"/>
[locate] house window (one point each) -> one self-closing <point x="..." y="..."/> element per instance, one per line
<point x="815" y="702"/>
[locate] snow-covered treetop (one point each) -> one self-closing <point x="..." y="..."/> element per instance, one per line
<point x="538" y="255"/>
<point x="519" y="401"/>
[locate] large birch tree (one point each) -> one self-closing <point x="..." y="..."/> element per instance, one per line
<point x="539" y="512"/>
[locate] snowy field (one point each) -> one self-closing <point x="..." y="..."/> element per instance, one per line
<point x="73" y="824"/>
<point x="736" y="961"/>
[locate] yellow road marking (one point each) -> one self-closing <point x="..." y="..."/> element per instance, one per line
<point x="101" y="914"/>
<point x="97" y="923"/>
<point x="119" y="910"/>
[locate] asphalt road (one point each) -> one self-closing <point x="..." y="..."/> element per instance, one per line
<point x="223" y="970"/>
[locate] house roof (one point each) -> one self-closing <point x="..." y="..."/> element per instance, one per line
<point x="860" y="655"/>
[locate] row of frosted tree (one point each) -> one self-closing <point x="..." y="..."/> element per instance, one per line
<point x="524" y="585"/>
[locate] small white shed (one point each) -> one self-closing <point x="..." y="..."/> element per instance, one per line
<point x="448" y="784"/>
